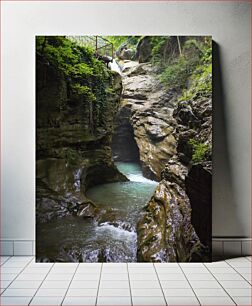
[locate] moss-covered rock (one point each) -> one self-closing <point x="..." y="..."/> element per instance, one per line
<point x="74" y="126"/>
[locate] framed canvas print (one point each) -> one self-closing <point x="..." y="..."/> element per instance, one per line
<point x="123" y="148"/>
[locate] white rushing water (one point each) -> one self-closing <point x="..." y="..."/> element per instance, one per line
<point x="139" y="178"/>
<point x="114" y="66"/>
<point x="114" y="238"/>
<point x="133" y="172"/>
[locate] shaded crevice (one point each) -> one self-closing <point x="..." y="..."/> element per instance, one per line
<point x="124" y="146"/>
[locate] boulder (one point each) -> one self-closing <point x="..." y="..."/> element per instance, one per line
<point x="144" y="50"/>
<point x="165" y="232"/>
<point x="125" y="53"/>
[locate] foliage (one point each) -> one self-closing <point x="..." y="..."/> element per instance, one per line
<point x="200" y="150"/>
<point x="201" y="83"/>
<point x="86" y="76"/>
<point x="158" y="44"/>
<point x="177" y="73"/>
<point x="71" y="155"/>
<point x="192" y="67"/>
<point x="201" y="79"/>
<point x="117" y="41"/>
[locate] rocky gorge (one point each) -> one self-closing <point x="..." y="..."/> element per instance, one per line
<point x="138" y="119"/>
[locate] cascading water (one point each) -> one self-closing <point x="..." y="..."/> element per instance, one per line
<point x="125" y="199"/>
<point x="113" y="238"/>
<point x="110" y="236"/>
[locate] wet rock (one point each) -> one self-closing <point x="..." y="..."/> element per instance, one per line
<point x="165" y="232"/>
<point x="125" y="53"/>
<point x="101" y="174"/>
<point x="164" y="127"/>
<point x="146" y="111"/>
<point x="50" y="205"/>
<point x="115" y="254"/>
<point x="186" y="116"/>
<point x="109" y="216"/>
<point x="140" y="69"/>
<point x="73" y="144"/>
<point x="175" y="172"/>
<point x="87" y="210"/>
<point x="138" y="87"/>
<point x="76" y="253"/>
<point x="184" y="147"/>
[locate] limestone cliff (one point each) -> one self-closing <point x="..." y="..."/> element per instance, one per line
<point x="73" y="141"/>
<point x="146" y="109"/>
<point x="171" y="133"/>
<point x="165" y="230"/>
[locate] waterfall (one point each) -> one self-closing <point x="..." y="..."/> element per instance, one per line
<point x="114" y="66"/>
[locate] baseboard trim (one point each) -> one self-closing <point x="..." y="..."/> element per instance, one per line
<point x="231" y="247"/>
<point x="17" y="247"/>
<point x="221" y="247"/>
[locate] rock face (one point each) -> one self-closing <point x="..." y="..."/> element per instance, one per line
<point x="73" y="152"/>
<point x="171" y="227"/>
<point x="144" y="50"/>
<point x="125" y="53"/>
<point x="146" y="110"/>
<point x="165" y="231"/>
<point x="124" y="146"/>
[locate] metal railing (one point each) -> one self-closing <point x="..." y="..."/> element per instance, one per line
<point x="100" y="44"/>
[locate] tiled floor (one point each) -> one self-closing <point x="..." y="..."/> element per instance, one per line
<point x="24" y="282"/>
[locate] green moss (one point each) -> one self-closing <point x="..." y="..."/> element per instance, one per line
<point x="177" y="73"/>
<point x="201" y="83"/>
<point x="117" y="41"/>
<point x="201" y="79"/>
<point x="200" y="150"/>
<point x="157" y="44"/>
<point x="190" y="71"/>
<point x="87" y="78"/>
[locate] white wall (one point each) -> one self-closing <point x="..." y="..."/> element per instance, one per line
<point x="227" y="22"/>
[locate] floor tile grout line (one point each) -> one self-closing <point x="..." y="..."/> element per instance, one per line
<point x="131" y="299"/>
<point x="41" y="283"/>
<point x="230" y="260"/>
<point x="96" y="300"/>
<point x="9" y="257"/>
<point x="1" y="266"/>
<point x="247" y="259"/>
<point x="190" y="284"/>
<point x="220" y="284"/>
<point x="16" y="277"/>
<point x="160" y="284"/>
<point x="237" y="272"/>
<point x="69" y="284"/>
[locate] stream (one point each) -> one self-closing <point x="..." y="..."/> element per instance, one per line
<point x="113" y="238"/>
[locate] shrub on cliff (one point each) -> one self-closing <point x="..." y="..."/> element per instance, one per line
<point x="183" y="60"/>
<point x="200" y="151"/>
<point x="86" y="76"/>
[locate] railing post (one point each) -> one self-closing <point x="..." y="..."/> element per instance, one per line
<point x="96" y="45"/>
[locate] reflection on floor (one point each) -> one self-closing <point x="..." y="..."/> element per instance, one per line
<point x="24" y="282"/>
